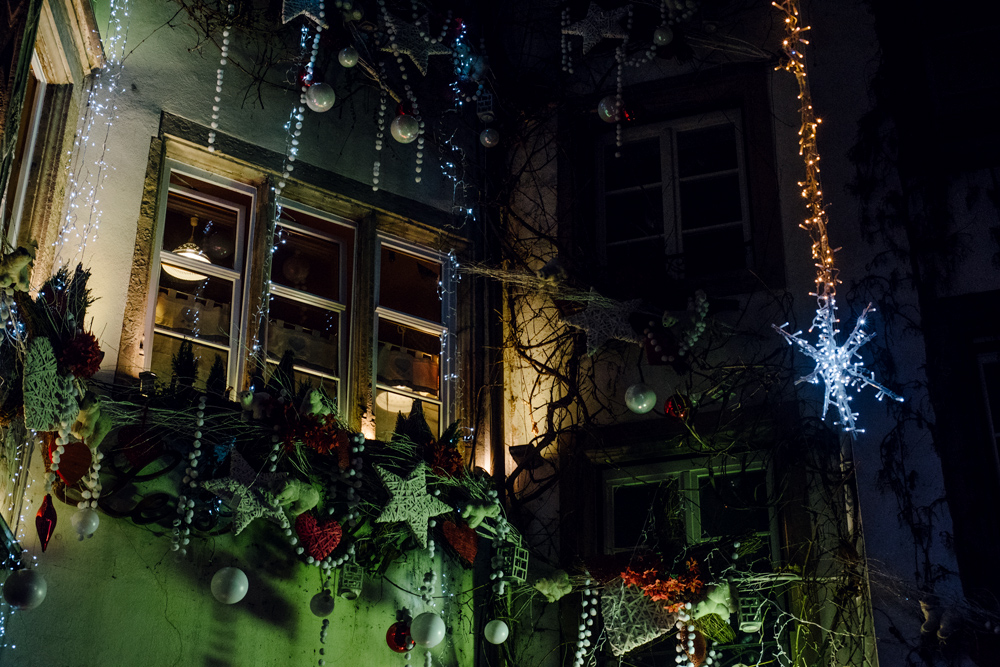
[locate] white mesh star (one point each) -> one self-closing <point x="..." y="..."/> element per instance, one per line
<point x="410" y="503"/>
<point x="247" y="493"/>
<point x="604" y="320"/>
<point x="597" y="25"/>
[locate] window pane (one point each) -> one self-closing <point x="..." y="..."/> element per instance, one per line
<point x="733" y="504"/>
<point x="710" y="201"/>
<point x="632" y="509"/>
<point x="200" y="308"/>
<point x="633" y="215"/>
<point x="409" y="284"/>
<point x="706" y="150"/>
<point x="212" y="234"/>
<point x="715" y="251"/>
<point x="302" y="379"/>
<point x="389" y="405"/>
<point x="307" y="263"/>
<point x="310" y="332"/>
<point x="408" y="358"/>
<point x="638" y="165"/>
<point x="165" y="348"/>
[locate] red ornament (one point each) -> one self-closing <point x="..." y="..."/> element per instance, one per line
<point x="398" y="637"/>
<point x="676" y="406"/>
<point x="462" y="539"/>
<point x="45" y="521"/>
<point x="74" y="462"/>
<point x="318" y="539"/>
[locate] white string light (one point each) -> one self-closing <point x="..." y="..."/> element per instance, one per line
<point x="87" y="171"/>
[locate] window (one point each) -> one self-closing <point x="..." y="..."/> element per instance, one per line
<point x="412" y="336"/>
<point x="16" y="200"/>
<point x="675" y="204"/>
<point x="312" y="272"/>
<point x="684" y="504"/>
<point x="200" y="289"/>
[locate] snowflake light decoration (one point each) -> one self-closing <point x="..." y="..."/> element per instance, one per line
<point x="839" y="367"/>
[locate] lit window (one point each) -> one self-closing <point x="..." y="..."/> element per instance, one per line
<point x="199" y="313"/>
<point x="312" y="271"/>
<point x="675" y="203"/>
<point x="411" y="336"/>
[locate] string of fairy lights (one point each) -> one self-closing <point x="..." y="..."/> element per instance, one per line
<point x="838" y="367"/>
<point x="88" y="171"/>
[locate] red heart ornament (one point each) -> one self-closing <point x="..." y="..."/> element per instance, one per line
<point x="462" y="539"/>
<point x="318" y="539"/>
<point x="45" y="521"/>
<point x="74" y="462"/>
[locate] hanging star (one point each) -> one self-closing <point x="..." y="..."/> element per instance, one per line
<point x="409" y="42"/>
<point x="410" y="503"/>
<point x="247" y="492"/>
<point x="291" y="9"/>
<point x="605" y="320"/>
<point x="836" y="366"/>
<point x="597" y="25"/>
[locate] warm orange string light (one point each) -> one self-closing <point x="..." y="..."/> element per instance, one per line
<point x="793" y="46"/>
<point x="838" y="367"/>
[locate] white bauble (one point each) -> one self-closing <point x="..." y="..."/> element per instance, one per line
<point x="320" y="97"/>
<point x="427" y="629"/>
<point x="322" y="603"/>
<point x="640" y="399"/>
<point x="489" y="137"/>
<point x="608" y="109"/>
<point x="404" y="128"/>
<point x="348" y="56"/>
<point x="663" y="35"/>
<point x="85" y="522"/>
<point x="24" y="589"/>
<point x="496" y="632"/>
<point x="230" y="585"/>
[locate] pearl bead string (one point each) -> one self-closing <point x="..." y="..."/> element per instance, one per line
<point x="499" y="542"/>
<point x="219" y="76"/>
<point x="407" y="88"/>
<point x="588" y="612"/>
<point x="567" y="59"/>
<point x="380" y="134"/>
<point x="181" y="534"/>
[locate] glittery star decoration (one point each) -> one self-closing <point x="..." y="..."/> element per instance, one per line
<point x="597" y="25"/>
<point x="409" y="42"/>
<point x="410" y="503"/>
<point x="604" y="320"/>
<point x="246" y="492"/>
<point x="291" y="9"/>
<point x="839" y="367"/>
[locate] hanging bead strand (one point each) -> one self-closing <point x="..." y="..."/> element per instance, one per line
<point x="219" y="76"/>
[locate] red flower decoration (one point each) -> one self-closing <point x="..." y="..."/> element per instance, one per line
<point x="444" y="459"/>
<point x="82" y="356"/>
<point x="322" y="434"/>
<point x="675" y="591"/>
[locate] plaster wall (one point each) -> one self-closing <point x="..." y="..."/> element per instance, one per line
<point x="120" y="598"/>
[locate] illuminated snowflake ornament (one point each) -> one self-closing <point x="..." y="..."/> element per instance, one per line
<point x="839" y="367"/>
